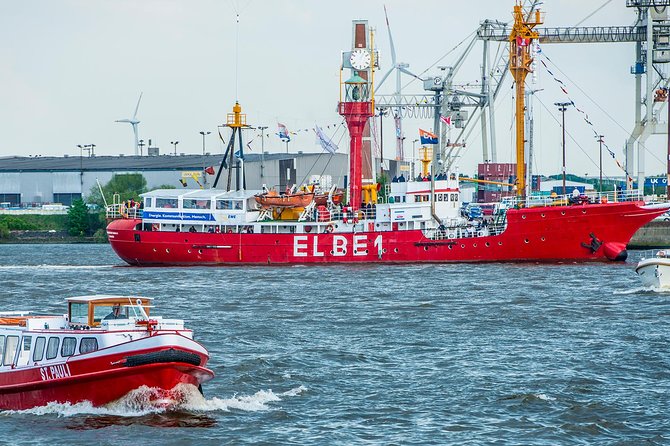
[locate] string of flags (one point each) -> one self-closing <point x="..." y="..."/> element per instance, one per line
<point x="563" y="88"/>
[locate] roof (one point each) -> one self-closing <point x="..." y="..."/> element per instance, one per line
<point x="115" y="163"/>
<point x="97" y="297"/>
<point x="200" y="193"/>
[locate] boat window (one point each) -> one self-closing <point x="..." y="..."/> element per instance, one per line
<point x="88" y="345"/>
<point x="101" y="311"/>
<point x="38" y="352"/>
<point x="11" y="345"/>
<point x="78" y="313"/>
<point x="52" y="347"/>
<point x="148" y="202"/>
<point x="238" y="204"/>
<point x="224" y="204"/>
<point x="26" y="343"/>
<point x="69" y="345"/>
<point x="166" y="203"/>
<point x="2" y="345"/>
<point x="192" y="203"/>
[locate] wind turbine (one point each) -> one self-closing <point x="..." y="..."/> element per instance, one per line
<point x="399" y="68"/>
<point x="134" y="122"/>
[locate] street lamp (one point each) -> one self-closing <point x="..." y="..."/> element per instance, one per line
<point x="174" y="143"/>
<point x="600" y="140"/>
<point x="81" y="168"/>
<point x="141" y="144"/>
<point x="414" y="158"/>
<point x="204" y="175"/>
<point x="562" y="106"/>
<point x="262" y="128"/>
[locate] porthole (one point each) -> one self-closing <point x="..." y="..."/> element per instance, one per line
<point x="542" y="215"/>
<point x="526" y="241"/>
<point x="154" y="249"/>
<point x="384" y="250"/>
<point x="450" y="246"/>
<point x="167" y="250"/>
<point x="395" y="250"/>
<point x="543" y="239"/>
<point x="583" y="211"/>
<point x="499" y="243"/>
<point x="367" y="251"/>
<point x="562" y="212"/>
<point x="189" y="251"/>
<point x="462" y="246"/>
<point x="474" y="245"/>
<point x="487" y="244"/>
<point x="523" y="216"/>
<point x="331" y="252"/>
<point x="425" y="248"/>
<point x="199" y="251"/>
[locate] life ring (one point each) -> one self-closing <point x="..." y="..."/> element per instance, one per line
<point x="481" y="233"/>
<point x="452" y="235"/>
<point x="308" y="229"/>
<point x="155" y="227"/>
<point x="329" y="229"/>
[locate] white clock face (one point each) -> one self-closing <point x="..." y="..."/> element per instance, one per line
<point x="360" y="59"/>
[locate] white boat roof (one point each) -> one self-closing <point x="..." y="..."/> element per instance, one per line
<point x="200" y="193"/>
<point x="95" y="297"/>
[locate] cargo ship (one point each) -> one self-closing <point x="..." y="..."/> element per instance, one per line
<point x="408" y="222"/>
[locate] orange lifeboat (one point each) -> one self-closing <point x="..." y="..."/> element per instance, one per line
<point x="272" y="199"/>
<point x="322" y="198"/>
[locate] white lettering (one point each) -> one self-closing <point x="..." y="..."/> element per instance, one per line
<point x="339" y="245"/>
<point x="360" y="245"/>
<point x="58" y="371"/>
<point x="378" y="245"/>
<point x="298" y="246"/>
<point x="43" y="374"/>
<point x="315" y="250"/>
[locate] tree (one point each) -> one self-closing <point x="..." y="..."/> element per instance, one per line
<point x="77" y="219"/>
<point x="127" y="185"/>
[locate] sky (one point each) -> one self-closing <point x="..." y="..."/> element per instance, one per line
<point x="70" y="68"/>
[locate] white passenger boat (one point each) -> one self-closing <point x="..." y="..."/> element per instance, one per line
<point x="104" y="347"/>
<point x="655" y="272"/>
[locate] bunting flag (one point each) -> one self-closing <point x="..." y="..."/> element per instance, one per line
<point x="326" y="143"/>
<point x="282" y="132"/>
<point x="446" y="119"/>
<point x="427" y="137"/>
<point x="210" y="170"/>
<point x="585" y="116"/>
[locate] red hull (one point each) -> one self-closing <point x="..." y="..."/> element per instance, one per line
<point x="99" y="380"/>
<point x="543" y="234"/>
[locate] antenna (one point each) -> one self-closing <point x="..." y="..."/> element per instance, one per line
<point x="134" y="122"/>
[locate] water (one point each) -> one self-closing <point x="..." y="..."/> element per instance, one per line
<point x="340" y="355"/>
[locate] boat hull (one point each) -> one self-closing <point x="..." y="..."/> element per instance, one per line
<point x="106" y="375"/>
<point x="589" y="232"/>
<point x="654" y="272"/>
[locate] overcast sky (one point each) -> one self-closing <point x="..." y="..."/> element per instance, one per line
<point x="70" y="68"/>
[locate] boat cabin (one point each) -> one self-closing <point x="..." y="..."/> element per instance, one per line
<point x="92" y="310"/>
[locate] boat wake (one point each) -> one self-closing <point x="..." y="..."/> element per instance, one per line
<point x="147" y="401"/>
<point x="642" y="290"/>
<point x="54" y="267"/>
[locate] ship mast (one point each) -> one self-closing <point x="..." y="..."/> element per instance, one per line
<point x="521" y="39"/>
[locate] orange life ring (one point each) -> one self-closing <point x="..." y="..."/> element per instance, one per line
<point x="329" y="229"/>
<point x="155" y="227"/>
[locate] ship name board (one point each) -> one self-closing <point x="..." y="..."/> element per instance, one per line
<point x="302" y="247"/>
<point x="57" y="371"/>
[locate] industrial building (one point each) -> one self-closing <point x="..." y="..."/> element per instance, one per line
<point x="33" y="181"/>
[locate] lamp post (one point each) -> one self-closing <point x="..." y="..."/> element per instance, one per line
<point x="174" y="143"/>
<point x="414" y="158"/>
<point x="204" y="176"/>
<point x="141" y="144"/>
<point x="262" y="128"/>
<point x="382" y="112"/>
<point x="81" y="168"/>
<point x="562" y="106"/>
<point x="600" y="140"/>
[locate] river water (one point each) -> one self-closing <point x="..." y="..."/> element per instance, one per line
<point x="339" y="355"/>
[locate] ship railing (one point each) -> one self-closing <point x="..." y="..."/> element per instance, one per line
<point x="589" y="197"/>
<point x="122" y="210"/>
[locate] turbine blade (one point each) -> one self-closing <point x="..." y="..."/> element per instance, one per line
<point x="388" y="26"/>
<point x="409" y="73"/>
<point x="388" y="73"/>
<point x="124" y="120"/>
<point x="138" y="105"/>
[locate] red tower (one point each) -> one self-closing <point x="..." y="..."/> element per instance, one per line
<point x="357" y="105"/>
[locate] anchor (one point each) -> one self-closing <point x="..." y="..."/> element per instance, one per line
<point x="594" y="245"/>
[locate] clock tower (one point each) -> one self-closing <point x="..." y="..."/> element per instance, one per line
<point x="357" y="104"/>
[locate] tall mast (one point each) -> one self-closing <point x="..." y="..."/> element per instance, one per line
<point x="521" y="39"/>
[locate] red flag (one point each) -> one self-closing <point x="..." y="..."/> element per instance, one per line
<point x="210" y="170"/>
